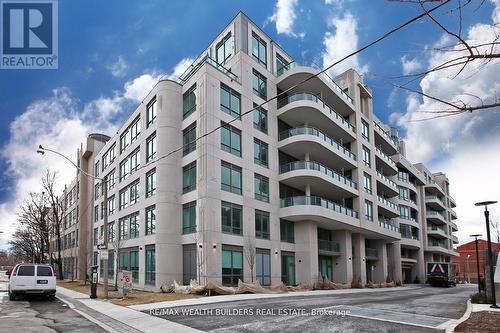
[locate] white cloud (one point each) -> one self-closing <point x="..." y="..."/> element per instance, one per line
<point x="284" y="17"/>
<point x="410" y="66"/>
<point x="466" y="146"/>
<point x="119" y="68"/>
<point x="180" y="68"/>
<point x="341" y="43"/>
<point x="138" y="88"/>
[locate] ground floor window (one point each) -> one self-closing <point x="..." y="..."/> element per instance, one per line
<point x="129" y="261"/>
<point x="188" y="263"/>
<point x="326" y="267"/>
<point x="150" y="264"/>
<point x="232" y="265"/>
<point x="288" y="267"/>
<point x="263" y="266"/>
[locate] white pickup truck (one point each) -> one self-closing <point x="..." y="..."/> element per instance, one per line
<point x="32" y="279"/>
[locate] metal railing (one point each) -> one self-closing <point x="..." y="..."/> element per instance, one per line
<point x="327" y="245"/>
<point x="311" y="165"/>
<point x="306" y="96"/>
<point x="436" y="243"/>
<point x="408" y="218"/>
<point x="317" y="201"/>
<point x="386" y="157"/>
<point x="386" y="135"/>
<point x="197" y="65"/>
<point x="434" y="214"/>
<point x="387" y="180"/>
<point x="316" y="132"/>
<point x="435" y="228"/>
<point x="369" y="252"/>
<point x="388" y="203"/>
<point x="435" y="197"/>
<point x="387" y="225"/>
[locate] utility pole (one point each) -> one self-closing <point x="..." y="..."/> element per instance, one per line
<point x="105" y="225"/>
<point x="477" y="262"/>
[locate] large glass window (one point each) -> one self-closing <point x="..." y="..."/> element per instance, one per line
<point x="130" y="164"/>
<point x="404" y="193"/>
<point x="367" y="183"/>
<point x="281" y="65"/>
<point x="366" y="157"/>
<point x="260" y="118"/>
<point x="188" y="263"/>
<point x="130" y="134"/>
<point x="128" y="226"/>
<point x="232" y="218"/>
<point x="261" y="185"/>
<point x="224" y="49"/>
<point x="230" y="139"/>
<point x="150" y="183"/>
<point x="263" y="266"/>
<point x="404" y="212"/>
<point x="111" y="232"/>
<point x="109" y="157"/>
<point x="262" y="224"/>
<point x="369" y="210"/>
<point x="232" y="265"/>
<point x="189" y="177"/>
<point x="189" y="102"/>
<point x="230" y="178"/>
<point x="365" y="130"/>
<point x="134" y="265"/>
<point x="189" y="139"/>
<point x="230" y="101"/>
<point x="189" y="217"/>
<point x="259" y="49"/>
<point x="261" y="152"/>
<point x="151" y="220"/>
<point x="150" y="265"/>
<point x="287" y="231"/>
<point x="151" y="147"/>
<point x="288" y="267"/>
<point x="259" y="84"/>
<point x="151" y="112"/>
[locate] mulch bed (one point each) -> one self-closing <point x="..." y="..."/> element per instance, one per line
<point x="481" y="322"/>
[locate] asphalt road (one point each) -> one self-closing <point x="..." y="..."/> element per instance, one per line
<point x="38" y="314"/>
<point x="424" y="309"/>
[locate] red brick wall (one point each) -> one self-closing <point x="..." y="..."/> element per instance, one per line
<point x="470" y="249"/>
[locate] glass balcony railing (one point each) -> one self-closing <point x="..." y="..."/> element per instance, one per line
<point x="434" y="197"/>
<point x="387" y="180"/>
<point x="369" y="252"/>
<point x="388" y="203"/>
<point x="386" y="135"/>
<point x="434" y="183"/>
<point x="435" y="228"/>
<point x="327" y="245"/>
<point x="305" y="96"/>
<point x="197" y="65"/>
<point x="286" y="68"/>
<point x="386" y="225"/>
<point x="317" y="201"/>
<point x="432" y="242"/>
<point x="433" y="213"/>
<point x="316" y="132"/>
<point x="409" y="236"/>
<point x="310" y="165"/>
<point x="385" y="157"/>
<point x="454" y="238"/>
<point x="408" y="218"/>
<point x="408" y="200"/>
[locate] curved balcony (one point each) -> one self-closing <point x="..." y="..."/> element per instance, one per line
<point x="410" y="243"/>
<point x="384" y="139"/>
<point x="453" y="214"/>
<point x="434" y="187"/>
<point x="453" y="226"/>
<point x="407" y="184"/>
<point x="435" y="217"/>
<point x="333" y="94"/>
<point x="386" y="185"/>
<point x="434" y="202"/>
<point x="385" y="163"/>
<point x="408" y="202"/>
<point x="437" y="246"/>
<point x="298" y="142"/>
<point x="436" y="232"/>
<point x="454" y="239"/>
<point x="306" y="107"/>
<point x="387" y="207"/>
<point x="323" y="180"/>
<point x="453" y="204"/>
<point x="409" y="221"/>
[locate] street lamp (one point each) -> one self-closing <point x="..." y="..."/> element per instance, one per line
<point x="490" y="255"/>
<point x="41" y="150"/>
<point x="468" y="269"/>
<point x="477" y="261"/>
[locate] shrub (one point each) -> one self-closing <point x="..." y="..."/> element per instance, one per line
<point x="479" y="298"/>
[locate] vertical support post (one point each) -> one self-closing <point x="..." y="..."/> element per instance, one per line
<point x="105" y="226"/>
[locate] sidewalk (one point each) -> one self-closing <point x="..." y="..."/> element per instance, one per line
<point x="243" y="297"/>
<point x="117" y="319"/>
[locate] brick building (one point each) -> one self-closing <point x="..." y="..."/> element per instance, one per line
<point x="466" y="261"/>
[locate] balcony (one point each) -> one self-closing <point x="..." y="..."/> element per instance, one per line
<point x="198" y="63"/>
<point x="306" y="107"/>
<point x="435" y="202"/>
<point x="387" y="207"/>
<point x="323" y="180"/>
<point x="317" y="201"/>
<point x="453" y="214"/>
<point x="453" y="204"/>
<point x="410" y="243"/>
<point x="437" y="246"/>
<point x="300" y="141"/>
<point x="453" y="226"/>
<point x="436" y="232"/>
<point x="435" y="217"/>
<point x="434" y="188"/>
<point x="328" y="247"/>
<point x="407" y="183"/>
<point x="454" y="239"/>
<point x="387" y="186"/>
<point x="385" y="163"/>
<point x="371" y="254"/>
<point x="385" y="139"/>
<point x="388" y="226"/>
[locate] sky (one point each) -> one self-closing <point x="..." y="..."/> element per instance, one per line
<point x="111" y="55"/>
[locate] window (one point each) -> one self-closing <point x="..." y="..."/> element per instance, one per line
<point x="97" y="168"/>
<point x="129" y="195"/>
<point x="150" y="220"/>
<point x="150" y="183"/>
<point x="130" y="164"/>
<point x="134" y="265"/>
<point x="189" y="139"/>
<point x="287" y="231"/>
<point x="261" y="224"/>
<point x="366" y="157"/>
<point x="151" y="147"/>
<point x="230" y="139"/>
<point x="130" y="134"/>
<point x="260" y="152"/>
<point x="97" y="190"/>
<point x="111" y="263"/>
<point x="189" y="102"/>
<point x="134" y="192"/>
<point x="110" y="179"/>
<point x="263" y="266"/>
<point x="111" y="205"/>
<point x="96" y="236"/>
<point x="365" y="130"/>
<point x="367" y="183"/>
<point x="230" y="101"/>
<point x="232" y="218"/>
<point x="259" y="49"/>
<point x="232" y="265"/>
<point x="369" y="210"/>
<point x="134" y="225"/>
<point x="261" y="185"/>
<point x="403" y="176"/>
<point x="96" y="213"/>
<point x="281" y="65"/>
<point x="404" y="212"/>
<point x="43" y="271"/>
<point x="260" y="118"/>
<point x="224" y="49"/>
<point x="111" y="232"/>
<point x="150" y="265"/>
<point x="189" y="177"/>
<point x="151" y="112"/>
<point x="109" y="157"/>
<point x="26" y="270"/>
<point x="189" y="217"/>
<point x="404" y="193"/>
<point x="230" y="178"/>
<point x="259" y="83"/>
<point x="188" y="263"/>
<point x="129" y="226"/>
<point x="288" y="267"/>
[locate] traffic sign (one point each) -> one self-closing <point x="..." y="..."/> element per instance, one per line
<point x="104" y="254"/>
<point x="101" y="246"/>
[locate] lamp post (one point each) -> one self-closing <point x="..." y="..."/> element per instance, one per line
<point x="490" y="255"/>
<point x="41" y="150"/>
<point x="468" y="269"/>
<point x="477" y="261"/>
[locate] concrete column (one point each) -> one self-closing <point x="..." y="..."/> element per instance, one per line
<point x="306" y="255"/>
<point x="380" y="266"/>
<point x="307" y="157"/>
<point x="359" y="260"/>
<point x="342" y="265"/>
<point x="394" y="269"/>
<point x="308" y="190"/>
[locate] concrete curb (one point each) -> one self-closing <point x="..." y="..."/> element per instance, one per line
<point x="452" y="324"/>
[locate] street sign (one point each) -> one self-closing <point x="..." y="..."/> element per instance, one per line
<point x="104" y="254"/>
<point x="101" y="247"/>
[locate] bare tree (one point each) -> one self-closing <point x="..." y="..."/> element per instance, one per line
<point x="495" y="224"/>
<point x="117" y="244"/>
<point x="200" y="258"/>
<point x="250" y="254"/>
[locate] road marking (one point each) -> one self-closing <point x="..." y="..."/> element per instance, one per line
<point x="393" y="316"/>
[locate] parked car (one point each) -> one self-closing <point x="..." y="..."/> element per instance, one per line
<point x="36" y="279"/>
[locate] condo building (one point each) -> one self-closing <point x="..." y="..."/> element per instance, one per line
<point x="206" y="181"/>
